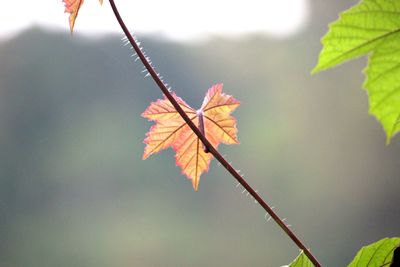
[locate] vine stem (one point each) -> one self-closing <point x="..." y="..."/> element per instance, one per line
<point x="206" y="143"/>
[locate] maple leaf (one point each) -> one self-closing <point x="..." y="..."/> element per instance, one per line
<point x="170" y="130"/>
<point x="72" y="7"/>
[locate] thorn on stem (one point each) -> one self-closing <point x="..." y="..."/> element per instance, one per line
<point x="269" y="218"/>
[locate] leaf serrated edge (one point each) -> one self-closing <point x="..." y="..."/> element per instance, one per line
<point x="329" y="65"/>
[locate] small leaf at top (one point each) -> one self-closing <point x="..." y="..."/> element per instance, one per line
<point x="171" y="130"/>
<point x="376" y="254"/>
<point x="72" y="7"/>
<point x="371" y="27"/>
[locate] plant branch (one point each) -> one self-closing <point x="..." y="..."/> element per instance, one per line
<point x="206" y="143"/>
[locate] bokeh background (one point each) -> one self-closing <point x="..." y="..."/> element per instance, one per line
<point x="75" y="192"/>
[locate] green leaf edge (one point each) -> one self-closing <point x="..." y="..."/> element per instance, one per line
<point x="342" y="59"/>
<point x="301" y="261"/>
<point x="395" y="242"/>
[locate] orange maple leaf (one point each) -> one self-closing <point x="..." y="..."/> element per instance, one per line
<point x="170" y="130"/>
<point x="72" y="7"/>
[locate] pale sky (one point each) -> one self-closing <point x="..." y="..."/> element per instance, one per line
<point x="176" y="19"/>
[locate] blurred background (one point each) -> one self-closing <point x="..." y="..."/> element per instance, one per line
<point x="75" y="192"/>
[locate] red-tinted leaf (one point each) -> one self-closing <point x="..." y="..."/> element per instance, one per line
<point x="72" y="7"/>
<point x="170" y="130"/>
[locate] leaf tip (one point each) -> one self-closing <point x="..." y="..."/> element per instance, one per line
<point x="145" y="156"/>
<point x="71" y="28"/>
<point x="319" y="67"/>
<point x="195" y="183"/>
<point x="393" y="131"/>
<point x="315" y="70"/>
<point x="388" y="139"/>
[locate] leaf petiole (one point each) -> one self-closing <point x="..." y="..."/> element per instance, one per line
<point x="200" y="115"/>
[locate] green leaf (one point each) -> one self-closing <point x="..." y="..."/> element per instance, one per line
<point x="371" y="27"/>
<point x="301" y="261"/>
<point x="377" y="254"/>
<point x="383" y="85"/>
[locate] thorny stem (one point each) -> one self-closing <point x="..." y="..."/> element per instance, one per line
<point x="206" y="143"/>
